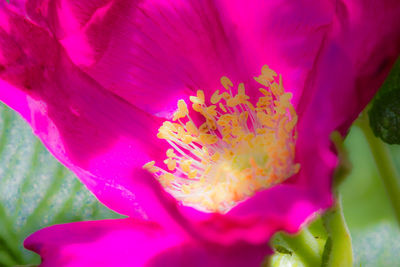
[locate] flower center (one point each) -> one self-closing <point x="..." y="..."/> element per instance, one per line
<point x="238" y="150"/>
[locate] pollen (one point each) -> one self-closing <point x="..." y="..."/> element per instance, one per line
<point x="242" y="146"/>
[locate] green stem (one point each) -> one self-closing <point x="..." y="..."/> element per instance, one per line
<point x="385" y="164"/>
<point x="305" y="246"/>
<point x="338" y="250"/>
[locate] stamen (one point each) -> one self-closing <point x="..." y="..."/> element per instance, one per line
<point x="239" y="149"/>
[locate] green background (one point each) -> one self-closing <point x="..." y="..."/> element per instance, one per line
<point x="36" y="191"/>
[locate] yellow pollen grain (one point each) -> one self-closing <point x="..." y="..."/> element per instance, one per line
<point x="149" y="166"/>
<point x="171" y="164"/>
<point x="187" y="139"/>
<point x="232" y="102"/>
<point x="222" y="107"/>
<point x="197" y="107"/>
<point x="241" y="90"/>
<point x="185" y="165"/>
<point x="216" y="97"/>
<point x="166" y="179"/>
<point x="226" y="82"/>
<point x="208" y="139"/>
<point x="216" y="156"/>
<point x="192" y="174"/>
<point x="191" y="128"/>
<point x="210" y="111"/>
<point x="185" y="189"/>
<point x="243" y="146"/>
<point x="277" y="89"/>
<point x="226" y="96"/>
<point x="199" y="99"/>
<point x="170" y="153"/>
<point x="204" y="128"/>
<point x="182" y="110"/>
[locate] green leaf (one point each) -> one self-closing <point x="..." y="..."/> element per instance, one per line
<point x="283" y="250"/>
<point x="338" y="250"/>
<point x="327" y="252"/>
<point x="377" y="245"/>
<point x="385" y="111"/>
<point x="35" y="191"/>
<point x="283" y="255"/>
<point x="303" y="249"/>
<point x="368" y="213"/>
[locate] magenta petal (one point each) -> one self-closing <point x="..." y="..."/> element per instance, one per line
<point x="287" y="35"/>
<point x="364" y="43"/>
<point x="152" y="53"/>
<point x="350" y="67"/>
<point x="103" y="139"/>
<point x="128" y="242"/>
<point x="15" y="99"/>
<point x="99" y="136"/>
<point x="349" y="71"/>
<point x="137" y="57"/>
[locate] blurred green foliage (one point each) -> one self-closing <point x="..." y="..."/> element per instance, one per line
<point x="36" y="191"/>
<point x="385" y="108"/>
<point x="368" y="213"/>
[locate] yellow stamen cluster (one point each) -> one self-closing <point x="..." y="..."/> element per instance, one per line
<point x="238" y="150"/>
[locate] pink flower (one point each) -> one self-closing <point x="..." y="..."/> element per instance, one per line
<point x="96" y="79"/>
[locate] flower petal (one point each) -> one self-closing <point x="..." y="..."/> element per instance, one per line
<point x="128" y="242"/>
<point x="287" y="35"/>
<point x="100" y="137"/>
<point x="348" y="73"/>
<point x="342" y="80"/>
<point x="152" y="53"/>
<point x="350" y="67"/>
<point x="107" y="162"/>
<point x="357" y="58"/>
<point x="128" y="48"/>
